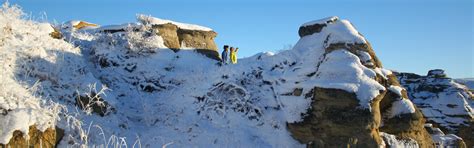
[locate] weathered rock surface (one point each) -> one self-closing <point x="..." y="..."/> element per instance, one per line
<point x="169" y="33"/>
<point x="335" y="120"/>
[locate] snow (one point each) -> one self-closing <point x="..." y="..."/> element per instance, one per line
<point x="396" y="89"/>
<point x="343" y="32"/>
<point x="46" y="28"/>
<point x="383" y="72"/>
<point x="322" y="21"/>
<point x="161" y="97"/>
<point x="402" y="106"/>
<point x="146" y="19"/>
<point x="339" y="31"/>
<point x="343" y="70"/>
<point x="393" y="142"/>
<point x="20" y="107"/>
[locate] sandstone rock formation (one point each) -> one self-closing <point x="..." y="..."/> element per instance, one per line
<point x="178" y="39"/>
<point x="176" y="36"/>
<point x="337" y="119"/>
<point x="443" y="101"/>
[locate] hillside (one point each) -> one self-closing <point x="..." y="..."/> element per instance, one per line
<point x="158" y="82"/>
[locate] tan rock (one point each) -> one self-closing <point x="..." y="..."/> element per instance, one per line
<point x="83" y="24"/>
<point x="47" y="139"/>
<point x="176" y="39"/>
<point x="335" y="120"/>
<point x="169" y="33"/>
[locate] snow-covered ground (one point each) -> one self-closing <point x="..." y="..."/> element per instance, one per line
<point x="154" y="96"/>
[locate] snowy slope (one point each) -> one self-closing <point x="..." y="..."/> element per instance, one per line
<point x="19" y="108"/>
<point x="153" y="96"/>
<point x="204" y="100"/>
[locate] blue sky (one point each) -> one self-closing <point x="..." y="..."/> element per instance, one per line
<point x="409" y="36"/>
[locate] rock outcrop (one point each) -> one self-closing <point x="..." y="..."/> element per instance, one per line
<point x="35" y="138"/>
<point x="336" y="117"/>
<point x="443" y="101"/>
<point x="177" y="39"/>
<point x="176" y="36"/>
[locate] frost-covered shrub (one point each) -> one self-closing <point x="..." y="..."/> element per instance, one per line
<point x="135" y="40"/>
<point x="143" y="40"/>
<point x="228" y="97"/>
<point x="20" y="107"/>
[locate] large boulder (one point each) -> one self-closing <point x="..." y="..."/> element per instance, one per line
<point x="338" y="117"/>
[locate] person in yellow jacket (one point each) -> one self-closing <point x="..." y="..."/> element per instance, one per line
<point x="233" y="55"/>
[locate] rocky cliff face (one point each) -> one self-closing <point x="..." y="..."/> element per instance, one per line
<point x="444" y="102"/>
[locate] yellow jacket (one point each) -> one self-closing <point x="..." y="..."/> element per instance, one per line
<point x="233" y="57"/>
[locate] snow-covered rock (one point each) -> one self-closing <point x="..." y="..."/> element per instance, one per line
<point x="443" y="140"/>
<point x="164" y="34"/>
<point x="146" y="19"/>
<point x="352" y="92"/>
<point x="443" y="101"/>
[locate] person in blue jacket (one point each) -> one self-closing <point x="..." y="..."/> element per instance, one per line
<point x="225" y="54"/>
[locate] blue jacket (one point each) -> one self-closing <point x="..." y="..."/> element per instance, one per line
<point x="225" y="56"/>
